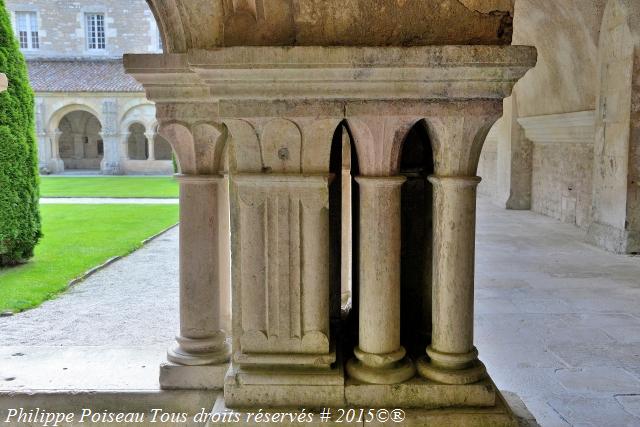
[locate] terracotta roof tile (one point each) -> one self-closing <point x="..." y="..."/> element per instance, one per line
<point x="80" y="76"/>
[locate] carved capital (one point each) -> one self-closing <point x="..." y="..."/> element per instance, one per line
<point x="198" y="147"/>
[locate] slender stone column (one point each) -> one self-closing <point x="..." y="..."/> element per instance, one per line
<point x="151" y="144"/>
<point x="380" y="359"/>
<point x="78" y="146"/>
<point x="202" y="341"/>
<point x="56" y="164"/>
<point x="453" y="357"/>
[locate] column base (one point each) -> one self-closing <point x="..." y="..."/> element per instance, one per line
<point x="499" y="414"/>
<point x="181" y="377"/>
<point x="420" y="393"/>
<point x="284" y="388"/>
<point x="111" y="168"/>
<point x="613" y="239"/>
<point x="193" y="352"/>
<point x="390" y="368"/>
<point x="55" y="165"/>
<point x="470" y="375"/>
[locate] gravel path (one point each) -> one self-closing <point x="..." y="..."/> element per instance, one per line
<point x="132" y="302"/>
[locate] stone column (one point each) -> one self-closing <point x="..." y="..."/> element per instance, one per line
<point x="151" y="145"/>
<point x="78" y="146"/>
<point x="124" y="146"/>
<point x="56" y="164"/>
<point x="4" y="83"/>
<point x="380" y="359"/>
<point x="224" y="250"/>
<point x="202" y="340"/>
<point x="453" y="357"/>
<point x="110" y="164"/>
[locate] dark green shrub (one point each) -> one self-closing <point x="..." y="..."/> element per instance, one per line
<point x="19" y="215"/>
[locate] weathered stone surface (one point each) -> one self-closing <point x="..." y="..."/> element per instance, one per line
<point x="277" y="110"/>
<point x="207" y="24"/>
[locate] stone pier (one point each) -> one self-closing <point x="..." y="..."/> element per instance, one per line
<point x="267" y="116"/>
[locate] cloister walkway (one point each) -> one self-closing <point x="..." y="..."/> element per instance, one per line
<point x="557" y="322"/>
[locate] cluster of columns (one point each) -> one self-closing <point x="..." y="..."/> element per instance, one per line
<point x="380" y="358"/>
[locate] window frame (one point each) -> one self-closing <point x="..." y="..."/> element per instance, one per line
<point x="31" y="20"/>
<point x="93" y="25"/>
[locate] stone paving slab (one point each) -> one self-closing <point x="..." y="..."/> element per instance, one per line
<point x="571" y="346"/>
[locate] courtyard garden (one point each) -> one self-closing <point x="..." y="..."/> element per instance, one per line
<point x="75" y="239"/>
<point x="109" y="186"/>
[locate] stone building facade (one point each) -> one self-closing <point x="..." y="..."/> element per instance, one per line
<point x="90" y="115"/>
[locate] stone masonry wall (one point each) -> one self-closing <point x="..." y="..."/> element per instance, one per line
<point x="561" y="184"/>
<point x="130" y="27"/>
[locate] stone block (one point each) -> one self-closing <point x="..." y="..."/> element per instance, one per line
<point x="204" y="377"/>
<point x="277" y="388"/>
<point x="419" y="393"/>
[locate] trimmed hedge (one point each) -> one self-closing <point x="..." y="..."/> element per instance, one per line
<point x="19" y="214"/>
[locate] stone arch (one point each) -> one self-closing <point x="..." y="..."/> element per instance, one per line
<point x="79" y="141"/>
<point x="137" y="141"/>
<point x="416" y="164"/>
<point x="143" y="113"/>
<point x="63" y="110"/>
<point x="378" y="142"/>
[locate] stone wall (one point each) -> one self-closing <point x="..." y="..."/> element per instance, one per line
<point x="130" y="27"/>
<point x="561" y="184"/>
<point x="488" y="166"/>
<point x="563" y="82"/>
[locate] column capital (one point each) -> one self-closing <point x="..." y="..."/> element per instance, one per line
<point x="454" y="181"/>
<point x="198" y="179"/>
<point x="380" y="181"/>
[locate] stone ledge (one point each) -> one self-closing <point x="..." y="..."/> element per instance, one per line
<point x="577" y="128"/>
<point x="336" y="73"/>
<point x="180" y="377"/>
<point x="420" y="393"/>
<point x="499" y="415"/>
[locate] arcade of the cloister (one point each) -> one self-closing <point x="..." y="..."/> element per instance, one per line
<point x="112" y="136"/>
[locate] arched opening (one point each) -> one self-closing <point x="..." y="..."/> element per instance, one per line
<point x="344" y="231"/>
<point x="162" y="148"/>
<point x="80" y="143"/>
<point x="137" y="143"/>
<point x="417" y="202"/>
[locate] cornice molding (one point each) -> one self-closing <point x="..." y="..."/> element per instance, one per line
<point x="569" y="128"/>
<point x="333" y="73"/>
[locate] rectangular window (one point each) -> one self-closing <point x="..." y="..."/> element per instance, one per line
<point x="27" y="30"/>
<point x="95" y="31"/>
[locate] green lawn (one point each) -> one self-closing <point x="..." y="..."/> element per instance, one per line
<point x="109" y="186"/>
<point x="77" y="238"/>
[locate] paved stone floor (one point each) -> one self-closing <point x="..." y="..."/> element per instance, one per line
<point x="557" y="322"/>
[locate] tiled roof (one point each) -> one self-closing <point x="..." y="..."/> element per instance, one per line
<point x="80" y="76"/>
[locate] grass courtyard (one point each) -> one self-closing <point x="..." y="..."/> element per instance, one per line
<point x="77" y="238"/>
<point x="109" y="186"/>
